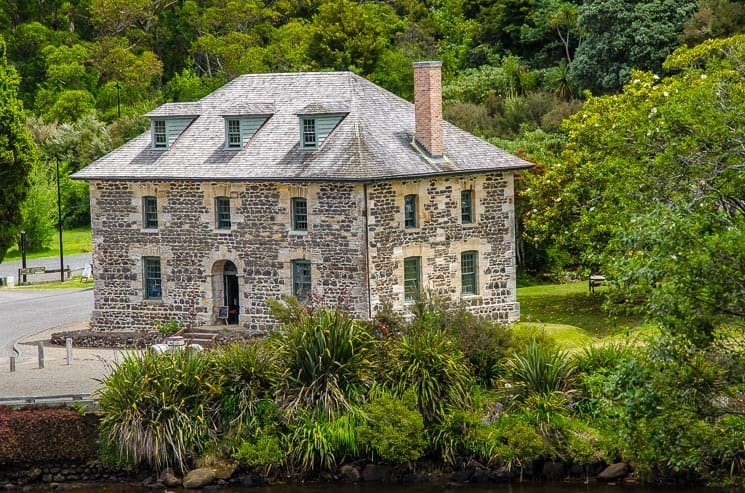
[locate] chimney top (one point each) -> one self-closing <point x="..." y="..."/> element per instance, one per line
<point x="428" y="106"/>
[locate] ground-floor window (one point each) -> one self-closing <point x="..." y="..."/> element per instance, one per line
<point x="153" y="284"/>
<point x="469" y="263"/>
<point x="301" y="280"/>
<point x="412" y="278"/>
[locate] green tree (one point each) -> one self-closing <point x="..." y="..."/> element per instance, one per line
<point x="651" y="188"/>
<point x="17" y="154"/>
<point x="622" y="35"/>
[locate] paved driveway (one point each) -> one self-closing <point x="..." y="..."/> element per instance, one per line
<point x="27" y="311"/>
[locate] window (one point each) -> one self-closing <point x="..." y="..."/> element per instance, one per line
<point x="469" y="264"/>
<point x="466" y="206"/>
<point x="411" y="278"/>
<point x="234" y="133"/>
<point x="222" y="212"/>
<point x="150" y="212"/>
<point x="159" y="134"/>
<point x="309" y="135"/>
<point x="299" y="214"/>
<point x="153" y="285"/>
<point x="301" y="280"/>
<point x="410" y="211"/>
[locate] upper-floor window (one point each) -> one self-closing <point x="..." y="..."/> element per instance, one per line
<point x="466" y="206"/>
<point x="309" y="133"/>
<point x="301" y="285"/>
<point x="234" y="133"/>
<point x="299" y="214"/>
<point x="410" y="211"/>
<point x="222" y="212"/>
<point x="412" y="278"/>
<point x="469" y="264"/>
<point x="150" y="212"/>
<point x="160" y="138"/>
<point x="153" y="286"/>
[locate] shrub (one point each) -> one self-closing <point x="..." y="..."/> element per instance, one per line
<point x="329" y="362"/>
<point x="430" y="363"/>
<point x="602" y="358"/>
<point x="541" y="369"/>
<point x="244" y="376"/>
<point x="157" y="407"/>
<point x="318" y="443"/>
<point x="394" y="430"/>
<point x="264" y="451"/>
<point x="508" y="440"/>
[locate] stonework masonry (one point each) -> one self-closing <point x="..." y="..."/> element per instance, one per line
<point x="355" y="242"/>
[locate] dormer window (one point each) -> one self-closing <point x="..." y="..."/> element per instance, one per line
<point x="240" y="128"/>
<point x="234" y="133"/>
<point x="160" y="140"/>
<point x="309" y="133"/>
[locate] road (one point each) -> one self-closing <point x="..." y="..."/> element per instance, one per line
<point x="28" y="311"/>
<point x="76" y="263"/>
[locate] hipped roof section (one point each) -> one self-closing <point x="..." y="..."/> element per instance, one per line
<point x="372" y="142"/>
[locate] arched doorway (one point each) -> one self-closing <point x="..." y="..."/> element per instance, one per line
<point x="225" y="291"/>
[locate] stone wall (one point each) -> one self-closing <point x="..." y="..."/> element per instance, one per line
<point x="440" y="238"/>
<point x="262" y="245"/>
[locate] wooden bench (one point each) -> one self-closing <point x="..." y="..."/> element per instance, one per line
<point x="594" y="281"/>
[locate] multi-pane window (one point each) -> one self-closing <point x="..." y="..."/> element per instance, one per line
<point x="151" y="273"/>
<point x="234" y="133"/>
<point x="299" y="214"/>
<point x="309" y="134"/>
<point x="412" y="278"/>
<point x="301" y="280"/>
<point x="466" y="206"/>
<point x="222" y="212"/>
<point x="410" y="212"/>
<point x="160" y="139"/>
<point x="150" y="212"/>
<point x="469" y="265"/>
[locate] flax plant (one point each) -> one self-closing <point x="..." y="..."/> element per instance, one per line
<point x="329" y="361"/>
<point x="157" y="407"/>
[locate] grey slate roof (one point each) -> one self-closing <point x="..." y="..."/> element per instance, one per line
<point x="372" y="142"/>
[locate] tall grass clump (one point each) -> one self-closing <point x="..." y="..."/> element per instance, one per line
<point x="328" y="359"/>
<point x="155" y="407"/>
<point x="430" y="363"/>
<point x="542" y="369"/>
<point x="245" y="375"/>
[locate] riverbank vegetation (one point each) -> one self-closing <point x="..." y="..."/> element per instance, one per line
<point x="442" y="387"/>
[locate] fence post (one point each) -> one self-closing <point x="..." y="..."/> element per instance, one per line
<point x="41" y="354"/>
<point x="68" y="350"/>
<point x="12" y="364"/>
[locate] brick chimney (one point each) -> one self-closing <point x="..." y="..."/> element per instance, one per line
<point x="428" y="106"/>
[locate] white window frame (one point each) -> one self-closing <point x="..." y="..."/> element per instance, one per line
<point x="305" y="142"/>
<point x="229" y="144"/>
<point x="157" y="134"/>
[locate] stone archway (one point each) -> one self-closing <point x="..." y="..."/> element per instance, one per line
<point x="225" y="292"/>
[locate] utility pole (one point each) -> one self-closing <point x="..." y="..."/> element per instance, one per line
<point x="59" y="225"/>
<point x="118" y="101"/>
<point x="23" y="255"/>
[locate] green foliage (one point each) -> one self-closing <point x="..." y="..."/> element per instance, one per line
<point x="156" y="407"/>
<point x="265" y="451"/>
<point x="318" y="443"/>
<point x="624" y="35"/>
<point x="542" y="369"/>
<point x="328" y="357"/>
<point x="508" y="440"/>
<point x="429" y="362"/>
<point x="17" y="155"/>
<point x="394" y="429"/>
<point x="39" y="211"/>
<point x="168" y="328"/>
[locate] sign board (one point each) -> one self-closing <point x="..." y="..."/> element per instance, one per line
<point x="223" y="312"/>
<point x="32" y="270"/>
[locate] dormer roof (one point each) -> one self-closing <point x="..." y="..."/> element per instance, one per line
<point x="374" y="140"/>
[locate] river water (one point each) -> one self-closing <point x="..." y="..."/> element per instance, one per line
<point x="418" y="488"/>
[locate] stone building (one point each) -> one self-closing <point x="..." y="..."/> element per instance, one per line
<point x="300" y="183"/>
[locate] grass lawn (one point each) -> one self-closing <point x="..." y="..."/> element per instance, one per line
<point x="569" y="310"/>
<point x="75" y="282"/>
<point x="74" y="241"/>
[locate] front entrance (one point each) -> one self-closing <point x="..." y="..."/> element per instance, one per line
<point x="230" y="286"/>
<point x="226" y="292"/>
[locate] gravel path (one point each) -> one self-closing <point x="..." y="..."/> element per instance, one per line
<point x="56" y="377"/>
